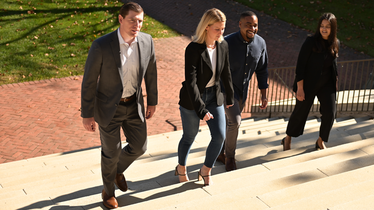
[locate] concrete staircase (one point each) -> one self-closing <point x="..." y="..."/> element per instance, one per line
<point x="340" y="177"/>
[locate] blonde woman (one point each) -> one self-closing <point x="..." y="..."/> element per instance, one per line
<point x="206" y="64"/>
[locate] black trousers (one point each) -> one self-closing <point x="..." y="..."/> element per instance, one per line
<point x="326" y="94"/>
<point x="114" y="158"/>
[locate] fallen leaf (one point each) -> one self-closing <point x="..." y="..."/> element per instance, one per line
<point x="72" y="55"/>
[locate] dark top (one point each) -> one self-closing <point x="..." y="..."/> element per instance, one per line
<point x="327" y="64"/>
<point x="198" y="72"/>
<point x="247" y="58"/>
<point x="311" y="65"/>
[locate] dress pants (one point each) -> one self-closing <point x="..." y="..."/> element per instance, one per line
<point x="326" y="94"/>
<point x="233" y="121"/>
<point x="114" y="158"/>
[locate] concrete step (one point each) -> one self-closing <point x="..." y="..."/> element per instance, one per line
<point x="324" y="200"/>
<point x="73" y="180"/>
<point x="255" y="174"/>
<point x="309" y="189"/>
<point x="363" y="203"/>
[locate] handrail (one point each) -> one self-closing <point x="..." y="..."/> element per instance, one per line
<point x="355" y="90"/>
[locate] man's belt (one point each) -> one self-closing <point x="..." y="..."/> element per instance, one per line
<point x="127" y="99"/>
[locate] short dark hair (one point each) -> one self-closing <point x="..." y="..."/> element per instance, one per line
<point x="247" y="14"/>
<point x="130" y="6"/>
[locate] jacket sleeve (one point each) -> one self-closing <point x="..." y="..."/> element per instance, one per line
<point x="192" y="59"/>
<point x="227" y="80"/>
<point x="304" y="54"/>
<point x="336" y="62"/>
<point x="90" y="78"/>
<point x="150" y="78"/>
<point x="262" y="69"/>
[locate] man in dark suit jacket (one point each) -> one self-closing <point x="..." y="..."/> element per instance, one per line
<point x="112" y="96"/>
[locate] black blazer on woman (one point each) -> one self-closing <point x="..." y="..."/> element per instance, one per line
<point x="198" y="72"/>
<point x="310" y="65"/>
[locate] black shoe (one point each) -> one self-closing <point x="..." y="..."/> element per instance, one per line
<point x="221" y="158"/>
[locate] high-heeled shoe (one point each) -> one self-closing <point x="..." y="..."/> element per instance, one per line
<point x="317" y="146"/>
<point x="284" y="145"/>
<point x="176" y="173"/>
<point x="200" y="176"/>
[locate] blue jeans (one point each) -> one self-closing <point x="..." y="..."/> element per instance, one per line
<point x="217" y="127"/>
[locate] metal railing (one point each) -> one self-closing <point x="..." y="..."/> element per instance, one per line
<point x="355" y="94"/>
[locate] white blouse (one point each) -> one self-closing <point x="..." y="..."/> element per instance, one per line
<point x="213" y="60"/>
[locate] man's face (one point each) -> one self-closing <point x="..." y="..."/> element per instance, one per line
<point x="131" y="24"/>
<point x="248" y="27"/>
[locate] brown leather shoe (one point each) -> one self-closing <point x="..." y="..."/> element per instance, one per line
<point x="109" y="202"/>
<point x="230" y="164"/>
<point x="221" y="158"/>
<point x="120" y="181"/>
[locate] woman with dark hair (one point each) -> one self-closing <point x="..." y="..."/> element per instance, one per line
<point x="316" y="75"/>
<point x="206" y="64"/>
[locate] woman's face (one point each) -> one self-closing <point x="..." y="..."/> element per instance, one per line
<point x="325" y="29"/>
<point x="215" y="31"/>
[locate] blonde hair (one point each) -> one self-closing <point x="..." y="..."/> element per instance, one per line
<point x="209" y="18"/>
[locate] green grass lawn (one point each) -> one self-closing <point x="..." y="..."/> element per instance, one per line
<point x="43" y="39"/>
<point x="355" y="17"/>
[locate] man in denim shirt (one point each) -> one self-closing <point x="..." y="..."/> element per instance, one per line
<point x="247" y="54"/>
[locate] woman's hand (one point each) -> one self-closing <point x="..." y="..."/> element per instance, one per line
<point x="208" y="116"/>
<point x="300" y="95"/>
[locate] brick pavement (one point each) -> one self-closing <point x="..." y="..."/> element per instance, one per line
<point x="42" y="117"/>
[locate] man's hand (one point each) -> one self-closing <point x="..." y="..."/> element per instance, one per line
<point x="264" y="100"/>
<point x="264" y="103"/>
<point x="150" y="111"/>
<point x="228" y="106"/>
<point x="89" y="124"/>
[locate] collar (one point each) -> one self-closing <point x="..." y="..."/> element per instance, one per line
<point x="121" y="41"/>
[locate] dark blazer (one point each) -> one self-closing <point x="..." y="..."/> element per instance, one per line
<point x="198" y="72"/>
<point x="102" y="86"/>
<point x="310" y="65"/>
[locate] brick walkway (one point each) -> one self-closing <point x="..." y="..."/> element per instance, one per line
<point x="42" y="117"/>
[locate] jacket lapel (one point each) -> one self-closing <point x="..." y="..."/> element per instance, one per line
<point x="205" y="56"/>
<point x="115" y="49"/>
<point x="142" y="56"/>
<point x="220" y="59"/>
